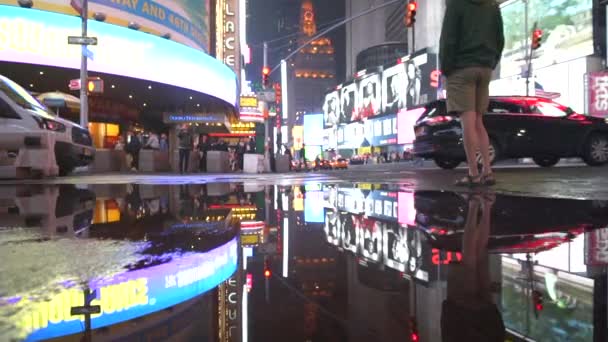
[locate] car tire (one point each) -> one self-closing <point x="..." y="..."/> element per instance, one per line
<point x="546" y="161"/>
<point x="494" y="153"/>
<point x="447" y="164"/>
<point x="595" y="150"/>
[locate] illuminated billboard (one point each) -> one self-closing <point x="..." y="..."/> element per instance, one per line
<point x="331" y="108"/>
<point x="370" y="98"/>
<point x="394" y="86"/>
<point x="39" y="37"/>
<point x="313" y="126"/>
<point x="567" y="32"/>
<point x="349" y="104"/>
<point x="184" y="21"/>
<point x="127" y="295"/>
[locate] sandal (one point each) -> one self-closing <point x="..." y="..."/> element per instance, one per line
<point x="470" y="181"/>
<point x="488" y="179"/>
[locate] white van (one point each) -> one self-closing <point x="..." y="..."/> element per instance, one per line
<point x="21" y="112"/>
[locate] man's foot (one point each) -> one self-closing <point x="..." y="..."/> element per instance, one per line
<point x="470" y="181"/>
<point x="488" y="179"/>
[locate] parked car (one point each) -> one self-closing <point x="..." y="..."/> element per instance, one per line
<point x="21" y="112"/>
<point x="518" y="127"/>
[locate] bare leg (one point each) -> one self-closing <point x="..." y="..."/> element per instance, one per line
<point x="484" y="144"/>
<point x="470" y="139"/>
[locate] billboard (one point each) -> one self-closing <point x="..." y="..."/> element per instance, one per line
<point x="331" y="109"/>
<point x="370" y="98"/>
<point x="39" y="37"/>
<point x="597" y="94"/>
<point x="349" y="104"/>
<point x="313" y="126"/>
<point x="184" y="21"/>
<point x="381" y="131"/>
<point x="406" y="121"/>
<point x="394" y="86"/>
<point x="567" y="32"/>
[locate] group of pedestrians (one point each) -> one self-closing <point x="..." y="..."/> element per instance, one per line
<point x="135" y="142"/>
<point x="187" y="144"/>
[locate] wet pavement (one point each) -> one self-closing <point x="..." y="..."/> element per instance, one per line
<point x="327" y="260"/>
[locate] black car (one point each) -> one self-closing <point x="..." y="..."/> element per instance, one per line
<point x="519" y="127"/>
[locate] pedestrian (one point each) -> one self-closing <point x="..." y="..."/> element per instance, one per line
<point x="240" y="154"/>
<point x="251" y="145"/>
<point x="185" y="146"/>
<point x="153" y="143"/>
<point x="133" y="147"/>
<point x="163" y="144"/>
<point x="203" y="148"/>
<point x="471" y="44"/>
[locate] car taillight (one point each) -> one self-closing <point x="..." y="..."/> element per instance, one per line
<point x="438" y="120"/>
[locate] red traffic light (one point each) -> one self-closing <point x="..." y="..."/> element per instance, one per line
<point x="267" y="273"/>
<point x="412" y="6"/>
<point x="537" y="36"/>
<point x="266" y="71"/>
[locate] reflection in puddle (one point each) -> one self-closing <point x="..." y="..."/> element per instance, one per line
<point x="314" y="262"/>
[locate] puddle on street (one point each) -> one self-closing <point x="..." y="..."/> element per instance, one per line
<point x="316" y="262"/>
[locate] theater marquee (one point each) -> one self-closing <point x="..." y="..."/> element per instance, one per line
<point x="227" y="34"/>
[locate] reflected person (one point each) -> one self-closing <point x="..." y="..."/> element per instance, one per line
<point x="469" y="313"/>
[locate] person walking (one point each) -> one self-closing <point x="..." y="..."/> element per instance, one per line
<point x="133" y="147"/>
<point x="203" y="148"/>
<point x="185" y="146"/>
<point x="163" y="144"/>
<point x="471" y="44"/>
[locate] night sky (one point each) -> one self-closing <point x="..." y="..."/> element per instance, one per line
<point x="262" y="23"/>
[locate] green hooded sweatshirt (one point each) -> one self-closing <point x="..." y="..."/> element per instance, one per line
<point x="472" y="35"/>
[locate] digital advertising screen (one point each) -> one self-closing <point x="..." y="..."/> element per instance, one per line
<point x="421" y="78"/>
<point x="40" y="37"/>
<point x="332" y="227"/>
<point x="313" y="126"/>
<point x="185" y="21"/>
<point x="406" y="120"/>
<point x="330" y="138"/>
<point x="349" y="104"/>
<point x="394" y="88"/>
<point x="369" y="238"/>
<point x="331" y="109"/>
<point x="567" y="32"/>
<point x="313" y="212"/>
<point x="128" y="295"/>
<point x="349" y="232"/>
<point x="381" y="131"/>
<point x="370" y="97"/>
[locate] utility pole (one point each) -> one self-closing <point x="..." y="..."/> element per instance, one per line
<point x="528" y="54"/>
<point x="84" y="100"/>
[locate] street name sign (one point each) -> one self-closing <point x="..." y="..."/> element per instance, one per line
<point x="76" y="40"/>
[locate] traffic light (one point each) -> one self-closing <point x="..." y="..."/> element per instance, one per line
<point x="537" y="36"/>
<point x="95" y="85"/>
<point x="267" y="271"/>
<point x="537" y="298"/>
<point x="414" y="336"/>
<point x="410" y="14"/>
<point x="265" y="75"/>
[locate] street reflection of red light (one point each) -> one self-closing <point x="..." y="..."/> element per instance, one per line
<point x="415" y="337"/>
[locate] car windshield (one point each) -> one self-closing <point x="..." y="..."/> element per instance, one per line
<point x="552" y="109"/>
<point x="21" y="97"/>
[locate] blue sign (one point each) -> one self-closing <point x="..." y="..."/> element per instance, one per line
<point x="132" y="294"/>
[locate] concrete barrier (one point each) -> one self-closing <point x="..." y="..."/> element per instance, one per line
<point x="27" y="155"/>
<point x="109" y="161"/>
<point x="282" y="163"/>
<point x="253" y="163"/>
<point x="218" y="162"/>
<point x="154" y="161"/>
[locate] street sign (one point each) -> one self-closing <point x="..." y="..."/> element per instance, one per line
<point x="74" y="84"/>
<point x="267" y="96"/>
<point x="75" y="40"/>
<point x="85" y="310"/>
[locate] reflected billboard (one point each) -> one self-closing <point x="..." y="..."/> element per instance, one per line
<point x="40" y="37"/>
<point x="183" y="21"/>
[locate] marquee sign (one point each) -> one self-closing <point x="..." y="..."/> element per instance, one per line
<point x="228" y="42"/>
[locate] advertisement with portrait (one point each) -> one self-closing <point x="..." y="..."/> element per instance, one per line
<point x="370" y="97"/>
<point x="183" y="21"/>
<point x="349" y="232"/>
<point x="349" y="105"/>
<point x="403" y="252"/>
<point x="369" y="237"/>
<point x="381" y="131"/>
<point x="422" y="78"/>
<point x="567" y="27"/>
<point x="331" y="108"/>
<point x="332" y="227"/>
<point x="39" y="37"/>
<point x="394" y="88"/>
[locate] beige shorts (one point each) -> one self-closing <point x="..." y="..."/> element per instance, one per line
<point x="468" y="90"/>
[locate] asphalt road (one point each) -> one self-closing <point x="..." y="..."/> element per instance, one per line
<point x="569" y="181"/>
